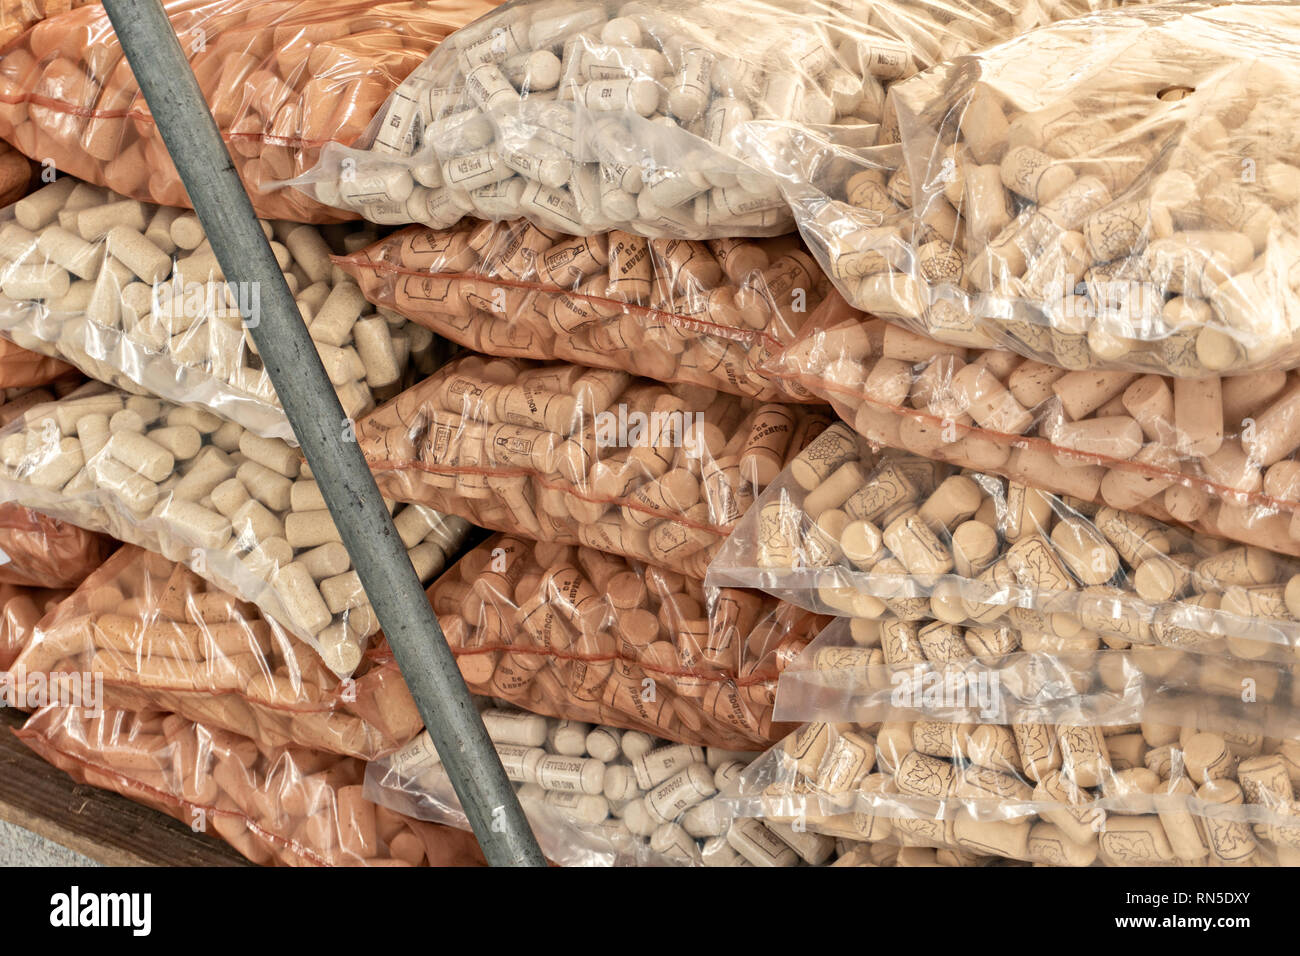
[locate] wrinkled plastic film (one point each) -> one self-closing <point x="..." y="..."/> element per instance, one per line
<point x="282" y="80"/>
<point x="594" y="795"/>
<point x="1148" y="795"/>
<point x="238" y="509"/>
<point x="163" y="638"/>
<point x="17" y="18"/>
<point x="1218" y="453"/>
<point x="912" y="539"/>
<point x="668" y="309"/>
<point x="996" y="674"/>
<point x="285" y="806"/>
<point x="21" y="609"/>
<point x="20" y="368"/>
<point x="582" y="635"/>
<point x="1111" y="192"/>
<point x="586" y="116"/>
<point x="132" y="294"/>
<point x="560" y="453"/>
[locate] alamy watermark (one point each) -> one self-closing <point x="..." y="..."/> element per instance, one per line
<point x="84" y="690"/>
<point x="951" y="690"/>
<point x="620" y="427"/>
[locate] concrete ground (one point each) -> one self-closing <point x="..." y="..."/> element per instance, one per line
<point x="19" y="847"/>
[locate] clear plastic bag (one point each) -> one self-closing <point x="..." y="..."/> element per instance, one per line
<point x="20" y="368"/>
<point x="21" y="608"/>
<point x="661" y="118"/>
<point x="39" y="551"/>
<point x="1148" y="795"/>
<point x="239" y="510"/>
<point x="580" y="634"/>
<point x="16" y="401"/>
<point x="1112" y="192"/>
<point x="165" y="639"/>
<point x="997" y="674"/>
<point x="286" y="806"/>
<point x="1217" y="453"/>
<point x="282" y="78"/>
<point x="559" y="453"/>
<point x="669" y="309"/>
<point x="16" y="173"/>
<point x="132" y="294"/>
<point x="17" y="16"/>
<point x="594" y="795"/>
<point x="914" y="539"/>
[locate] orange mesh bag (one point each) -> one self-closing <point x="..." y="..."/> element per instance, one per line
<point x="578" y="634"/>
<point x="286" y="806"/>
<point x="165" y="639"/>
<point x="669" y="309"/>
<point x="560" y="453"/>
<point x="282" y="79"/>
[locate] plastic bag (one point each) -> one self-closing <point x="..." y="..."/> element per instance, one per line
<point x="1113" y="192"/>
<point x="21" y="608"/>
<point x="39" y="551"/>
<point x="594" y="795"/>
<point x="16" y="401"/>
<point x="997" y="674"/>
<point x="18" y="16"/>
<point x="1149" y="795"/>
<point x="239" y="510"/>
<point x="133" y="295"/>
<point x="915" y="539"/>
<point x="559" y="453"/>
<point x="668" y="309"/>
<point x="15" y="172"/>
<point x="164" y="639"/>
<point x="282" y="79"/>
<point x="579" y="634"/>
<point x="286" y="806"/>
<point x="1217" y="453"/>
<point x="664" y="119"/>
<point x="20" y="368"/>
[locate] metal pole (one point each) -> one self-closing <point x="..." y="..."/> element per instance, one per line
<point x="290" y="357"/>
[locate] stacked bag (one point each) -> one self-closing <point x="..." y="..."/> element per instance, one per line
<point x="1026" y="591"/>
<point x="229" y="660"/>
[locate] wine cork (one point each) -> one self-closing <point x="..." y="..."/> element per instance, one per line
<point x="763" y="453"/>
<point x="1276" y="432"/>
<point x="924" y="776"/>
<point x="993" y="837"/>
<point x="1229" y="840"/>
<point x="1135" y="841"/>
<point x="951" y="504"/>
<point x="916" y="546"/>
<point x="141" y="454"/>
<point x="1207" y="757"/>
<point x="988" y="402"/>
<point x="1049" y="844"/>
<point x="129" y="247"/>
<point x="1084" y="758"/>
<point x="1085" y="551"/>
<point x="302" y="600"/>
<point x="1198" y="416"/>
<point x="974" y="548"/>
<point x="1082" y="393"/>
<point x="825" y="454"/>
<point x="1033" y="174"/>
